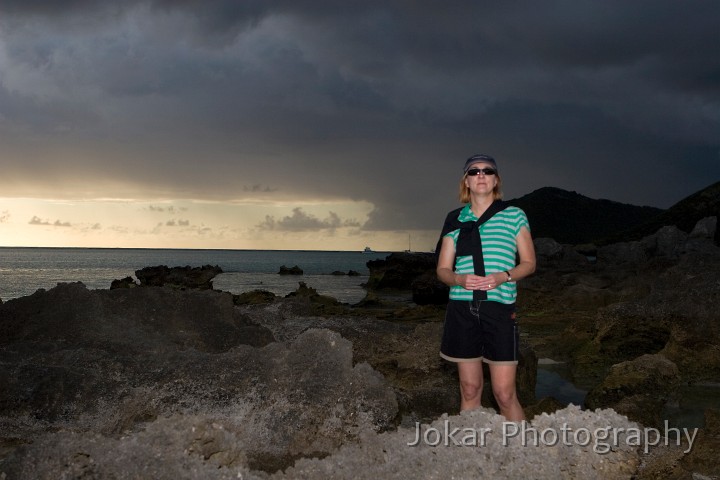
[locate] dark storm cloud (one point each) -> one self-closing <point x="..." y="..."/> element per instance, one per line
<point x="366" y="100"/>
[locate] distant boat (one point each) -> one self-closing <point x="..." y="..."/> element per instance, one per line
<point x="368" y="250"/>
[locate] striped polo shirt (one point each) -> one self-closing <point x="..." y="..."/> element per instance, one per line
<point x="499" y="251"/>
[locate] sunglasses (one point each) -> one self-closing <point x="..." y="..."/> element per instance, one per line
<point x="477" y="171"/>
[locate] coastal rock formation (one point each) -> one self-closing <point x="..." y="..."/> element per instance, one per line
<point x="171" y="383"/>
<point x="407" y="354"/>
<point x="637" y="388"/>
<point x="551" y="254"/>
<point x="428" y="290"/>
<point x="127" y="282"/>
<point x="164" y="383"/>
<point x="295" y="270"/>
<point x="673" y="312"/>
<point x="254" y="297"/>
<point x="398" y="270"/>
<point x="618" y="322"/>
<point x="414" y="272"/>
<point x="497" y="455"/>
<point x="615" y="303"/>
<point x="178" y="277"/>
<point x="97" y="364"/>
<point x="349" y="273"/>
<point x="477" y="444"/>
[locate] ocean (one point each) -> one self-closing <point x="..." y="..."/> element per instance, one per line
<point x="25" y="270"/>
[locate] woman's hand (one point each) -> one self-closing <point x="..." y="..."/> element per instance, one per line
<point x="475" y="282"/>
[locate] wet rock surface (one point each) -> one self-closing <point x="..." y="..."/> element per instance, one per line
<point x="176" y="277"/>
<point x="97" y="364"/>
<point x="594" y="308"/>
<point x="164" y="383"/>
<point x="167" y="382"/>
<point x="638" y="388"/>
<point x="294" y="270"/>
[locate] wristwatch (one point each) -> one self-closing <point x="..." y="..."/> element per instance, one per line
<point x="508" y="275"/>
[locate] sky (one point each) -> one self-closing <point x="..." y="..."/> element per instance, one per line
<point x="335" y="125"/>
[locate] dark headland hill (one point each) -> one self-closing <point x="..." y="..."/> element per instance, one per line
<point x="571" y="218"/>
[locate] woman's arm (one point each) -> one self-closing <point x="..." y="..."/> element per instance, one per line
<point x="446" y="260"/>
<point x="445" y="268"/>
<point x="526" y="252"/>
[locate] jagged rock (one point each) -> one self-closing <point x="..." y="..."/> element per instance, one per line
<point x="586" y="249"/>
<point x="667" y="242"/>
<point x="69" y="348"/>
<point x="677" y="317"/>
<point x="213" y="447"/>
<point x="439" y="454"/>
<point x="161" y="388"/>
<point x="178" y="277"/>
<point x="407" y="354"/>
<point x="624" y="252"/>
<point x="428" y="290"/>
<point x="255" y="297"/>
<point x="303" y="291"/>
<point x="307" y="301"/>
<point x="551" y="254"/>
<point x="290" y="271"/>
<point x="370" y="301"/>
<point x="126" y="282"/>
<point x="705" y="228"/>
<point x="688" y="294"/>
<point x="399" y="270"/>
<point x="680" y="462"/>
<point x="349" y="273"/>
<point x="545" y="405"/>
<point x="547" y="248"/>
<point x="637" y="388"/>
<point x="101" y="361"/>
<point x="702" y="459"/>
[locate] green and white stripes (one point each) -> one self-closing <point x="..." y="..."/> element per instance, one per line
<point x="499" y="251"/>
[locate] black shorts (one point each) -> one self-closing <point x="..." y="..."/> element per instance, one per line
<point x="481" y="330"/>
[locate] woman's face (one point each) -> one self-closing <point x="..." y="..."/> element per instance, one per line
<point x="481" y="183"/>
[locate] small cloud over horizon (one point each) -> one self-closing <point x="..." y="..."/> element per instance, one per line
<point x="259" y="188"/>
<point x="177" y="223"/>
<point x="169" y="209"/>
<point x="35" y="220"/>
<point x="301" y="221"/>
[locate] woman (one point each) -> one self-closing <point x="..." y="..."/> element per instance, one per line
<point x="478" y="252"/>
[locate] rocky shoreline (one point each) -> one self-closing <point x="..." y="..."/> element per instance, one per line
<point x="170" y="378"/>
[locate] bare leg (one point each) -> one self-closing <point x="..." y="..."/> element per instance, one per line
<point x="471" y="384"/>
<point x="505" y="391"/>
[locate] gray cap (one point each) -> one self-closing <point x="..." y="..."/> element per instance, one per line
<point x="477" y="159"/>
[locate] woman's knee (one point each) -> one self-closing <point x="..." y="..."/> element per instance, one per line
<point x="505" y="395"/>
<point x="470" y="389"/>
